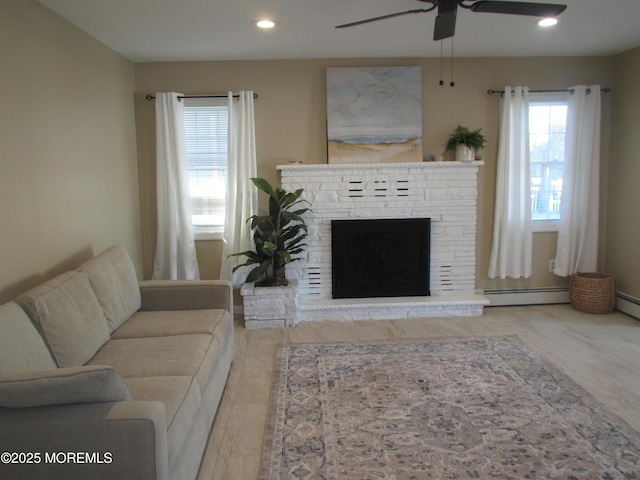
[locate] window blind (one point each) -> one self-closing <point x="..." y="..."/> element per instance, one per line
<point x="206" y="123"/>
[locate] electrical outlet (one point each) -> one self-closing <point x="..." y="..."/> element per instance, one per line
<point x="552" y="264"/>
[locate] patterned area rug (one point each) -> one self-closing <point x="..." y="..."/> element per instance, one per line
<point x="445" y="408"/>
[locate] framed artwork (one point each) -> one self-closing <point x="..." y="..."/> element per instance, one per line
<point x="374" y="114"/>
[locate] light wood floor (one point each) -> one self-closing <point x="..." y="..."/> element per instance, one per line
<point x="600" y="352"/>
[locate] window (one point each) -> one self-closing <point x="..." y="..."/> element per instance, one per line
<point x="206" y="132"/>
<point x="547" y="122"/>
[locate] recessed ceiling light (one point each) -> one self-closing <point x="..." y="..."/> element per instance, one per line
<point x="265" y="23"/>
<point x="548" y="22"/>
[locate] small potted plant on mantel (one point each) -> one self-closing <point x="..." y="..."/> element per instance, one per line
<point x="466" y="143"/>
<point x="269" y="300"/>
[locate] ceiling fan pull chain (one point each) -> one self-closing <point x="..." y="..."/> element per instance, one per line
<point x="452" y="83"/>
<point x="441" y="80"/>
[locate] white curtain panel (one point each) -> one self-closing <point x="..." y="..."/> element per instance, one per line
<point x="242" y="195"/>
<point x="175" y="249"/>
<point x="577" y="249"/>
<point x="512" y="239"/>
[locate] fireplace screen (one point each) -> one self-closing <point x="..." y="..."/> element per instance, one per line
<point x="380" y="258"/>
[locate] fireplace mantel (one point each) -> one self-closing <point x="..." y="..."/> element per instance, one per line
<point x="445" y="192"/>
<point x="397" y="166"/>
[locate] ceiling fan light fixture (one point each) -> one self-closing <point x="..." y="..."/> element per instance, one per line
<point x="265" y="23"/>
<point x="548" y="22"/>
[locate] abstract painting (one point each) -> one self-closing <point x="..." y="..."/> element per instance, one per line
<point x="374" y="114"/>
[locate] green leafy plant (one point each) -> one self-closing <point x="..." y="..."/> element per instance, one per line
<point x="471" y="138"/>
<point x="278" y="236"/>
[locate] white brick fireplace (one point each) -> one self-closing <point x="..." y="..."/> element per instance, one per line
<point x="445" y="192"/>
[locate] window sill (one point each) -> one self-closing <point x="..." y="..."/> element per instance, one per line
<point x="208" y="236"/>
<point x="538" y="226"/>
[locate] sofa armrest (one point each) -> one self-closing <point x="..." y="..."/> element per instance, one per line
<point x="94" y="440"/>
<point x="186" y="295"/>
<point x="60" y="386"/>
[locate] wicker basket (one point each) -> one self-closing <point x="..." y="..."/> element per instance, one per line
<point x="592" y="292"/>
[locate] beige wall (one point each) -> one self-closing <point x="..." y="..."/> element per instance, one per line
<point x="623" y="221"/>
<point x="72" y="184"/>
<point x="291" y="122"/>
<point x="68" y="181"/>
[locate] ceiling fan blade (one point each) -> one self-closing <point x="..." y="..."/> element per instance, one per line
<point x="445" y="25"/>
<point x="519" y="8"/>
<point x="384" y="17"/>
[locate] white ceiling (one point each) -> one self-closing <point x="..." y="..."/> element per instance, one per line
<point x="169" y="30"/>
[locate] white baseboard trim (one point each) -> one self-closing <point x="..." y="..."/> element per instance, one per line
<point x="628" y="304"/>
<point x="532" y="296"/>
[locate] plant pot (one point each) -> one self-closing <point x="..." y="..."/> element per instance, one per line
<point x="266" y="307"/>
<point x="464" y="153"/>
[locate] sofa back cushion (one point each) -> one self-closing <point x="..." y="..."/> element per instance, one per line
<point x="67" y="314"/>
<point x="21" y="346"/>
<point x="113" y="278"/>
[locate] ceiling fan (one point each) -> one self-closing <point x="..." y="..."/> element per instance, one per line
<point x="445" y="25"/>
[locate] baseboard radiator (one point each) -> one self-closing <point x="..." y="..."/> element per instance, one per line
<point x="529" y="296"/>
<point x="628" y="304"/>
<point x="544" y="296"/>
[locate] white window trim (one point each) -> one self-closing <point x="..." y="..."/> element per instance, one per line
<point x="207" y="235"/>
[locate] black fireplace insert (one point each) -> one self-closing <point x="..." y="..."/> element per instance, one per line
<point x="380" y="257"/>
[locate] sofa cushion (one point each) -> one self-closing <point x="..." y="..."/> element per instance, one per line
<point x="114" y="281"/>
<point x="167" y="323"/>
<point x="67" y="314"/>
<point x="204" y="352"/>
<point x="182" y="399"/>
<point x="179" y="355"/>
<point x="62" y="386"/>
<point x="21" y="346"/>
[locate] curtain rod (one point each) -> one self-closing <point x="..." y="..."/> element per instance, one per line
<point x="501" y="92"/>
<point x="235" y="95"/>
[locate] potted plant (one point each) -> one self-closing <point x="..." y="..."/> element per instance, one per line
<point x="278" y="236"/>
<point x="466" y="143"/>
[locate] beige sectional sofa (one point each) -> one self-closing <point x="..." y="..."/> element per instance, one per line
<point x="105" y="377"/>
